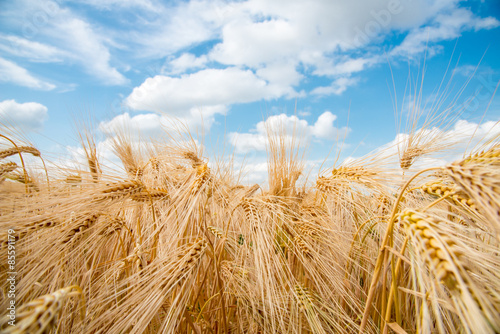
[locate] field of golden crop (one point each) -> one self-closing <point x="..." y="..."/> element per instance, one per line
<point x="178" y="245"/>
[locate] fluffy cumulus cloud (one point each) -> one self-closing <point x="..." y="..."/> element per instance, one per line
<point x="291" y="127"/>
<point x="28" y="116"/>
<point x="143" y="124"/>
<point x="218" y="53"/>
<point x="184" y="63"/>
<point x="206" y="93"/>
<point x="263" y="50"/>
<point x="153" y="125"/>
<point x="208" y="87"/>
<point x="316" y="33"/>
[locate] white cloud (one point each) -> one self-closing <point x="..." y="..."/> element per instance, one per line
<point x="175" y="27"/>
<point x="465" y="70"/>
<point x="154" y="124"/>
<point x="142" y="124"/>
<point x="253" y="43"/>
<point x="89" y="50"/>
<point x="444" y="27"/>
<point x="125" y="4"/>
<point x="257" y="139"/>
<point x="254" y="172"/>
<point x="337" y="87"/>
<point x="28" y="116"/>
<point x="280" y="73"/>
<point x="13" y="73"/>
<point x="60" y="35"/>
<point x="184" y="62"/>
<point x="207" y="92"/>
<point x="278" y="41"/>
<point x="343" y="66"/>
<point x="325" y="129"/>
<point x="33" y="51"/>
<point x="295" y="31"/>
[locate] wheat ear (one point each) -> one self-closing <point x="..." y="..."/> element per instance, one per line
<point x="438" y="250"/>
<point x="40" y="315"/>
<point x="20" y="149"/>
<point x="7" y="167"/>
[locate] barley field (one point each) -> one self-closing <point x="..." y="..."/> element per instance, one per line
<point x="177" y="244"/>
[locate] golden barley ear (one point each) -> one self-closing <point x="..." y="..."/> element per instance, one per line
<point x="438" y="250"/>
<point x="453" y="193"/>
<point x="150" y="194"/>
<point x="121" y="189"/>
<point x="479" y="178"/>
<point x="7" y="168"/>
<point x="23" y="178"/>
<point x="19" y="149"/>
<point x="409" y="156"/>
<point x="305" y="298"/>
<point x="73" y="179"/>
<point x="40" y="315"/>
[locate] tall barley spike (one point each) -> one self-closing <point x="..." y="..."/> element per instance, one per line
<point x="438" y="250"/>
<point x="7" y="167"/>
<point x="193" y="254"/>
<point x="81" y="227"/>
<point x="20" y="149"/>
<point x="302" y="246"/>
<point x="325" y="185"/>
<point x="481" y="182"/>
<point x="354" y="173"/>
<point x="146" y="195"/>
<point x="202" y="176"/>
<point x="305" y="297"/>
<point x="216" y="231"/>
<point x="440" y="189"/>
<point x="409" y="156"/>
<point x="250" y="210"/>
<point x="491" y="155"/>
<point x="40" y="315"/>
<point x="121" y="189"/>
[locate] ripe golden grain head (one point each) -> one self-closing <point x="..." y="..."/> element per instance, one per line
<point x="40" y="315"/>
<point x="7" y="167"/>
<point x="302" y="246"/>
<point x="146" y="195"/>
<point x="438" y="250"/>
<point x="20" y="149"/>
<point x="305" y="298"/>
<point x="121" y="189"/>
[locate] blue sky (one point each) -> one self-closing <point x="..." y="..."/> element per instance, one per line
<point x="324" y="66"/>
